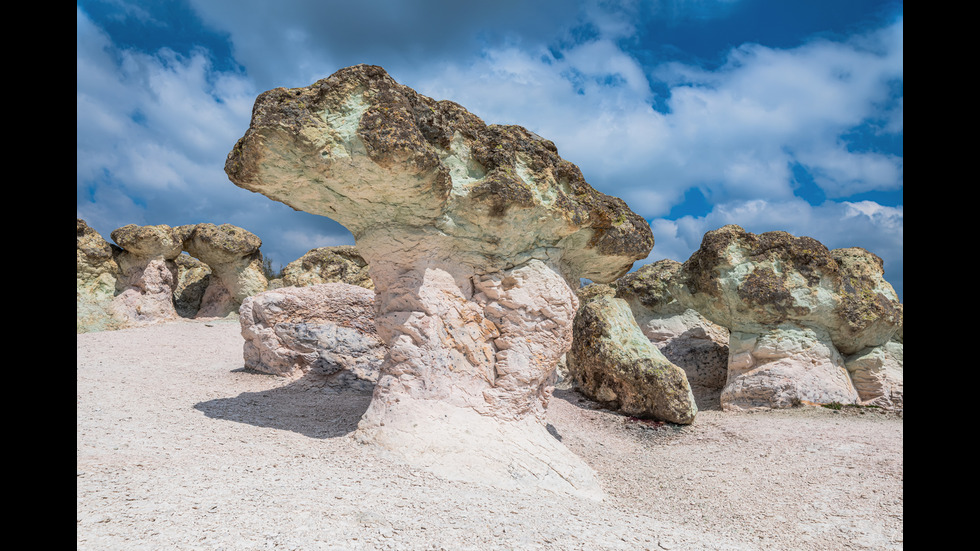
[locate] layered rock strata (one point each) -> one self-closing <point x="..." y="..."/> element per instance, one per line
<point x="148" y="274"/>
<point x="795" y="309"/>
<point x="613" y="362"/>
<point x="342" y="264"/>
<point x="233" y="255"/>
<point x="327" y="329"/>
<point x="472" y="234"/>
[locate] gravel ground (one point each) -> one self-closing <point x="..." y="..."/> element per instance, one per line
<point x="179" y="447"/>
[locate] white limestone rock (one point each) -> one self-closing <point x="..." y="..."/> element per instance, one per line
<point x="149" y="274"/>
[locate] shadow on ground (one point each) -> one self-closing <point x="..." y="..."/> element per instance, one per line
<point x="309" y="406"/>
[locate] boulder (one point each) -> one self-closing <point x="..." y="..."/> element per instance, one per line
<point x="341" y="264"/>
<point x="613" y="362"/>
<point x="685" y="337"/>
<point x="149" y="274"/>
<point x="795" y="310"/>
<point x="233" y="255"/>
<point x="473" y="234"/>
<point x="96" y="277"/>
<point x="327" y="329"/>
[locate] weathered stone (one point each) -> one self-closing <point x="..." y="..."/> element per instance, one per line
<point x="233" y="255"/>
<point x="775" y="290"/>
<point x="326" y="328"/>
<point x="472" y="234"/>
<point x="878" y="375"/>
<point x="612" y="361"/>
<point x="782" y="368"/>
<point x="149" y="274"/>
<point x="685" y="337"/>
<point x="341" y="264"/>
<point x="96" y="276"/>
<point x="193" y="278"/>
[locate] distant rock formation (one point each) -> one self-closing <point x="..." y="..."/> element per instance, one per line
<point x="149" y="274"/>
<point x="96" y="275"/>
<point x="473" y="233"/>
<point x="233" y="255"/>
<point x="342" y="264"/>
<point x="326" y="328"/>
<point x="795" y="310"/>
<point x="613" y="362"/>
<point x="145" y="279"/>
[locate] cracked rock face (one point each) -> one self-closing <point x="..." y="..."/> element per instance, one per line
<point x="326" y="328"/>
<point x="796" y="311"/>
<point x="472" y="234"/>
<point x="233" y="255"/>
<point x="149" y="274"/>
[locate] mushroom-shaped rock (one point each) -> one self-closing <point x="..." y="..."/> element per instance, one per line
<point x="612" y="361"/>
<point x="795" y="310"/>
<point x="149" y="274"/>
<point x="326" y="328"/>
<point x="685" y="337"/>
<point x="342" y="264"/>
<point x="233" y="255"/>
<point x="472" y="234"/>
<point x="96" y="277"/>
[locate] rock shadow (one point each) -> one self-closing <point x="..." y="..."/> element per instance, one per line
<point x="310" y="405"/>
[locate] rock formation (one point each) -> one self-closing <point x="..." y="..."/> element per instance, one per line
<point x="233" y="255"/>
<point x="341" y="264"/>
<point x="326" y="328"/>
<point x="149" y="274"/>
<point x="96" y="274"/>
<point x="684" y="336"/>
<point x="193" y="278"/>
<point x="795" y="310"/>
<point x="612" y="361"/>
<point x="472" y="234"/>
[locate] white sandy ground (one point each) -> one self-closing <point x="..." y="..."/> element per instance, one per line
<point x="178" y="447"/>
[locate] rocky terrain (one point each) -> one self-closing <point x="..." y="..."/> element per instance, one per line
<point x="209" y="456"/>
<point x="401" y="394"/>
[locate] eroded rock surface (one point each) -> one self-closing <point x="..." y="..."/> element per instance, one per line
<point x="795" y="309"/>
<point x="233" y="255"/>
<point x="326" y="328"/>
<point x="341" y="264"/>
<point x="96" y="276"/>
<point x="684" y="336"/>
<point x="149" y="274"/>
<point x="612" y="361"/>
<point x="472" y="234"/>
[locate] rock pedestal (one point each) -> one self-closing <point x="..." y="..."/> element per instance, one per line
<point x="472" y="234"/>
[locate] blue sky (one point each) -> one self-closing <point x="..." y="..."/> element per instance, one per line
<point x="769" y="114"/>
